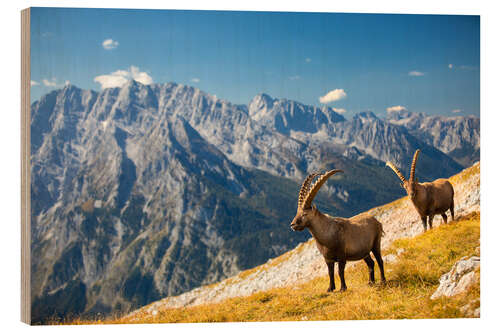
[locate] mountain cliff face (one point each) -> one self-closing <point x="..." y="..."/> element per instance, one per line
<point x="147" y="191"/>
<point x="458" y="136"/>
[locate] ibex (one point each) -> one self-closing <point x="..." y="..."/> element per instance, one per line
<point x="429" y="199"/>
<point x="338" y="239"/>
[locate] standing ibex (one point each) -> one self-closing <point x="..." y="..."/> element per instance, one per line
<point x="338" y="239"/>
<point x="429" y="199"/>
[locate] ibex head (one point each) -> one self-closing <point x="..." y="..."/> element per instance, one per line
<point x="410" y="184"/>
<point x="305" y="210"/>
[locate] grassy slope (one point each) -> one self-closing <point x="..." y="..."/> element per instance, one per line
<point x="412" y="279"/>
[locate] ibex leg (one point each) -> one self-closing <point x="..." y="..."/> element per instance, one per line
<point x="445" y="218"/>
<point x="343" y="286"/>
<point x="431" y="217"/>
<point x="331" y="270"/>
<point x="424" y="222"/>
<point x="380" y="262"/>
<point x="371" y="264"/>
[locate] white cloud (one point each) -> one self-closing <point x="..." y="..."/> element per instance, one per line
<point x="396" y="108"/>
<point x="339" y="110"/>
<point x="110" y="44"/>
<point x="195" y="80"/>
<point x="462" y="67"/>
<point x="308" y="59"/>
<point x="111" y="80"/>
<point x="49" y="83"/>
<point x="333" y="96"/>
<point x="34" y="83"/>
<point x="139" y="76"/>
<point x="416" y="73"/>
<point x="120" y="77"/>
<point x="466" y="67"/>
<point x="456" y="111"/>
<point x="294" y="77"/>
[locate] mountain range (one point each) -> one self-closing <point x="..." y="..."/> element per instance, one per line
<point x="458" y="136"/>
<point x="147" y="191"/>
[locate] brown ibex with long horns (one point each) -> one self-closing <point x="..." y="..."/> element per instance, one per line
<point x="338" y="239"/>
<point x="429" y="199"/>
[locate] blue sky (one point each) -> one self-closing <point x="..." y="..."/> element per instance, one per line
<point x="351" y="62"/>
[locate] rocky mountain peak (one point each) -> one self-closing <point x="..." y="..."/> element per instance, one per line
<point x="285" y="115"/>
<point x="366" y="115"/>
<point x="259" y="102"/>
<point x="403" y="114"/>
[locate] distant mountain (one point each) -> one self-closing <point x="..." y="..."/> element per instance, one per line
<point x="147" y="191"/>
<point x="365" y="137"/>
<point x="230" y="128"/>
<point x="286" y="116"/>
<point x="457" y="136"/>
<point x="386" y="142"/>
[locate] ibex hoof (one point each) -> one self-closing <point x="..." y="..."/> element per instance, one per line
<point x="343" y="289"/>
<point x="330" y="290"/>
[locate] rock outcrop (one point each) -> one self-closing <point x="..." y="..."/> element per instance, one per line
<point x="458" y="279"/>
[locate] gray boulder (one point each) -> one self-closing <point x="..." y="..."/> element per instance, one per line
<point x="458" y="279"/>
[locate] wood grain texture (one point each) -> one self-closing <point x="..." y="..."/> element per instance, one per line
<point x="25" y="168"/>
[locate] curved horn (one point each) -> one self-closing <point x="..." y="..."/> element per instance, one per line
<point x="413" y="164"/>
<point x="305" y="188"/>
<point x="316" y="186"/>
<point x="396" y="170"/>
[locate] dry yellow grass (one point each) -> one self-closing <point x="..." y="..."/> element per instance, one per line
<point x="411" y="281"/>
<point x="463" y="176"/>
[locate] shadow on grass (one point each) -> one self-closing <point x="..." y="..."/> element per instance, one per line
<point x="468" y="216"/>
<point x="410" y="280"/>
